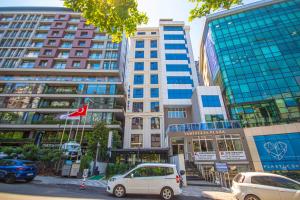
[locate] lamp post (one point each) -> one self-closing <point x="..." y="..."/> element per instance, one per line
<point x="96" y="158"/>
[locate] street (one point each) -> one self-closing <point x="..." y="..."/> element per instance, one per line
<point x="33" y="191"/>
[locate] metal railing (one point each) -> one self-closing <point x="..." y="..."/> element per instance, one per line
<point x="203" y="126"/>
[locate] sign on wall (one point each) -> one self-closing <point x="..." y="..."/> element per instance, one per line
<point x="279" y="151"/>
<point x="221" y="167"/>
<point x="210" y="155"/>
<point x="232" y="155"/>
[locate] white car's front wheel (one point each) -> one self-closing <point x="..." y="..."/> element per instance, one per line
<point x="251" y="197"/>
<point x="119" y="191"/>
<point x="166" y="193"/>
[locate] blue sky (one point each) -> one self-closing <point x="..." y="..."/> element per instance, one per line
<point x="155" y="9"/>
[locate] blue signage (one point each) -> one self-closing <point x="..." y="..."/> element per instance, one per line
<point x="279" y="151"/>
<point x="221" y="167"/>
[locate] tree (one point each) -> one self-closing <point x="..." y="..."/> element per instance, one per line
<point x="204" y="7"/>
<point x="114" y="17"/>
<point x="100" y="134"/>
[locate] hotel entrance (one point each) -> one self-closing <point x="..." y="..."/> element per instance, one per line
<point x="177" y="146"/>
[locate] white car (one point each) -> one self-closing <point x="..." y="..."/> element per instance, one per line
<point x="151" y="178"/>
<point x="264" y="186"/>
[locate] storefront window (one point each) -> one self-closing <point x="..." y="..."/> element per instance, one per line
<point x="230" y="142"/>
<point x="203" y="144"/>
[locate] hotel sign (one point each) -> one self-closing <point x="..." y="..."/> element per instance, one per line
<point x="210" y="155"/>
<point x="210" y="132"/>
<point x="232" y="155"/>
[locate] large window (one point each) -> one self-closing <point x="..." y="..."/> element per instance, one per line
<point x="177" y="113"/>
<point x="173" y="37"/>
<point x="211" y="101"/>
<point x="139" y="66"/>
<point x="136" y="141"/>
<point x="155" y="123"/>
<point x="153" y="54"/>
<point x="153" y="43"/>
<point x="139" y="54"/>
<point x="176" y="56"/>
<point x="180" y="93"/>
<point x="137" y="123"/>
<point x="178" y="68"/>
<point x="229" y="142"/>
<point x="175" y="46"/>
<point x="137" y="107"/>
<point x="275" y="182"/>
<point x="138" y="79"/>
<point x="138" y="93"/>
<point x="214" y="118"/>
<point x="154" y="106"/>
<point x="154" y="79"/>
<point x="155" y="140"/>
<point x="203" y="144"/>
<point x="154" y="93"/>
<point x="153" y="66"/>
<point x="139" y="44"/>
<point x="179" y="80"/>
<point x="173" y="28"/>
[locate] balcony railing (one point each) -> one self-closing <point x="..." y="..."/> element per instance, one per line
<point x="203" y="126"/>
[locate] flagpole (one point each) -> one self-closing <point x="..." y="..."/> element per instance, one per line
<point x="70" y="131"/>
<point x="77" y="129"/>
<point x="63" y="133"/>
<point x="84" y="121"/>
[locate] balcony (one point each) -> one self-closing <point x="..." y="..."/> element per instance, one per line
<point x="203" y="126"/>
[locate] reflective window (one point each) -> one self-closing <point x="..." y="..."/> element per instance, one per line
<point x="155" y="123"/>
<point x="211" y="101"/>
<point x="137" y="123"/>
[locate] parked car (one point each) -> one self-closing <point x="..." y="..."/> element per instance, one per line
<point x="12" y="170"/>
<point x="264" y="186"/>
<point x="151" y="178"/>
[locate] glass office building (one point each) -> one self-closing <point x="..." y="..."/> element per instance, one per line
<point x="253" y="53"/>
<point x="51" y="63"/>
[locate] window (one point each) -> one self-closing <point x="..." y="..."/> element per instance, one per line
<point x="153" y="43"/>
<point x="59" y="65"/>
<point x="155" y="123"/>
<point x="229" y="142"/>
<point x="81" y="43"/>
<point x="179" y="80"/>
<point x="72" y="27"/>
<point x="154" y="79"/>
<point x="138" y="66"/>
<point x="175" y="46"/>
<point x="275" y="182"/>
<point x="173" y="28"/>
<point x="155" y="140"/>
<point x="51" y="42"/>
<point x="153" y="33"/>
<point x="137" y="123"/>
<point x="180" y="93"/>
<point x="79" y="53"/>
<point x="43" y="63"/>
<point x="48" y="52"/>
<point x="69" y="35"/>
<point x="154" y="106"/>
<point x="154" y="92"/>
<point x="211" y="101"/>
<point x="153" y="54"/>
<point x="173" y="37"/>
<point x="153" y="66"/>
<point x="84" y="34"/>
<point x="203" y="144"/>
<point x="66" y="45"/>
<point x="137" y="107"/>
<point x="136" y="141"/>
<point x="55" y="33"/>
<point x="214" y="118"/>
<point x="139" y="44"/>
<point x="139" y="54"/>
<point x="138" y="79"/>
<point x="63" y="54"/>
<point x="178" y="68"/>
<point x="176" y="56"/>
<point x="97" y="45"/>
<point x="76" y="64"/>
<point x="177" y="113"/>
<point x="138" y="93"/>
<point x="141" y="33"/>
<point x="93" y="65"/>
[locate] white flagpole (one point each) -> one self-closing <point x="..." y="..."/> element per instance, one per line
<point x="84" y="121"/>
<point x="77" y="129"/>
<point x="70" y="131"/>
<point x="63" y="133"/>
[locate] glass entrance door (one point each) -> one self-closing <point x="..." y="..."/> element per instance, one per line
<point x="177" y="146"/>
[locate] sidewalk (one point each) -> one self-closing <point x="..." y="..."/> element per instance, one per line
<point x="56" y="180"/>
<point x="216" y="193"/>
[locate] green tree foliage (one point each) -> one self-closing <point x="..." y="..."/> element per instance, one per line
<point x="100" y="134"/>
<point x="114" y="17"/>
<point x="204" y="7"/>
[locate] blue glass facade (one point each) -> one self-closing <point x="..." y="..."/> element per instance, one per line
<point x="210" y="101"/>
<point x="255" y="56"/>
<point x="138" y="93"/>
<point x="180" y="93"/>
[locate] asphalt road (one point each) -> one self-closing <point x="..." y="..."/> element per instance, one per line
<point x="33" y="191"/>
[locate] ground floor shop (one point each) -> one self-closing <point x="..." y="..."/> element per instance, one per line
<point x="207" y="148"/>
<point x="275" y="148"/>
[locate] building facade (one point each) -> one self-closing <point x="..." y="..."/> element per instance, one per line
<point x="51" y="63"/>
<point x="252" y="52"/>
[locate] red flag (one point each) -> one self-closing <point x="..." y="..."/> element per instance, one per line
<point x="80" y="112"/>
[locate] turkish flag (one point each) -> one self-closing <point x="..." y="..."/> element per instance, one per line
<point x="79" y="112"/>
